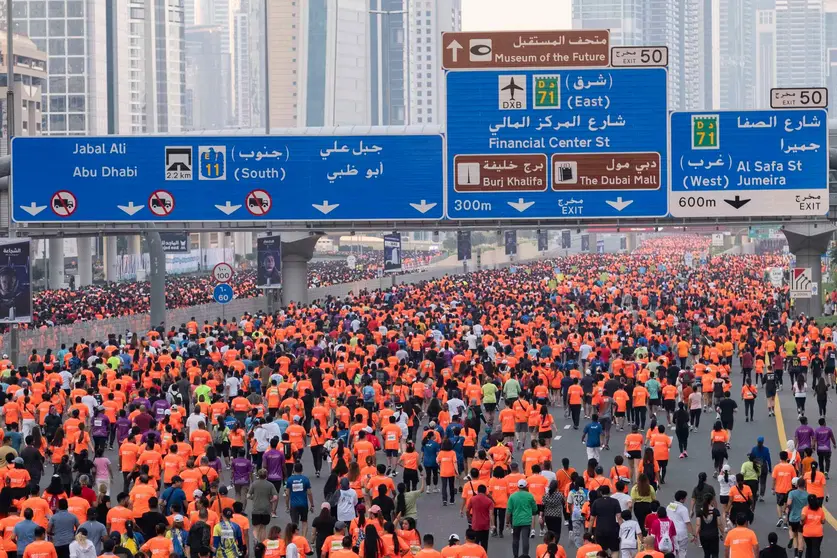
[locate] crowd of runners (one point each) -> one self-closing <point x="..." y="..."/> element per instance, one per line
<point x="96" y="302"/>
<point x="208" y="440"/>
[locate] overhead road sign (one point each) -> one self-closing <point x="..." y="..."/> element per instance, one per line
<point x="749" y="163"/>
<point x="639" y="57"/>
<point x="538" y="49"/>
<point x="605" y="146"/>
<point x="798" y="97"/>
<point x="198" y="178"/>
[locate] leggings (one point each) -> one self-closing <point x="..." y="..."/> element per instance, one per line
<point x="499" y="519"/>
<point x="641" y="510"/>
<point x="749" y="407"/>
<point x="317" y="454"/>
<point x="821" y="403"/>
<point x="431" y="476"/>
<point x="411" y="479"/>
<point x="812" y="547"/>
<point x="824" y="458"/>
<point x="710" y="546"/>
<point x="639" y="416"/>
<point x="553" y="524"/>
<point x="683" y="440"/>
<point x="694" y="417"/>
<point x="663" y="468"/>
<point x="447" y="485"/>
<point x="800" y="404"/>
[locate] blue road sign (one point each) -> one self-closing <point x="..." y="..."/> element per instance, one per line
<point x="555" y="143"/>
<point x="223" y="293"/>
<point x="749" y="163"/>
<point x="254" y="178"/>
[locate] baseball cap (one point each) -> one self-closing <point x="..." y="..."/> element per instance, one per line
<point x="198" y="493"/>
<point x="339" y="526"/>
<point x="521" y="484"/>
<point x="795" y="481"/>
<point x="375" y="509"/>
<point x="760" y="439"/>
<point x="454" y="537"/>
<point x="178" y="518"/>
<point x="18" y="461"/>
<point x="726" y="466"/>
<point x="325" y="506"/>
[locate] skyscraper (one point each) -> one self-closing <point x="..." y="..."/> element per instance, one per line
<point x="800" y="43"/>
<point x="388" y="72"/>
<point x="736" y="50"/>
<point x="625" y="19"/>
<point x="765" y="53"/>
<point x="831" y="53"/>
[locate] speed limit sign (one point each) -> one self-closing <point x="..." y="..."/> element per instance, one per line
<point x="222" y="272"/>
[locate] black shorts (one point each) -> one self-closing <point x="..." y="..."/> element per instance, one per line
<point x="795" y="526"/>
<point x="781" y="499"/>
<point x="606" y="423"/>
<point x="260" y="518"/>
<point x="635" y="454"/>
<point x="620" y="414"/>
<point x="668" y="405"/>
<point x="299" y="515"/>
<point x="727" y="424"/>
<point x="608" y="541"/>
<point x="468" y="452"/>
<point x="588" y="398"/>
<point x="508" y="434"/>
<point x="391" y="453"/>
<point x="490" y="407"/>
<point x="223" y="448"/>
<point x="655" y="401"/>
<point x="724" y="500"/>
<point x="278" y="485"/>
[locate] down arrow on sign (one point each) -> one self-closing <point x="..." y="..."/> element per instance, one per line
<point x="737" y="203"/>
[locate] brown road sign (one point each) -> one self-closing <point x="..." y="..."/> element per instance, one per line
<point x="535" y="49"/>
<point x="500" y="173"/>
<point x="605" y="171"/>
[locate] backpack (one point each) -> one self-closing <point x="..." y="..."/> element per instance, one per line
<point x="199" y="535"/>
<point x="178" y="540"/>
<point x="665" y="544"/>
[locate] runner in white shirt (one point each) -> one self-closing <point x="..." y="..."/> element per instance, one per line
<point x="679" y="514"/>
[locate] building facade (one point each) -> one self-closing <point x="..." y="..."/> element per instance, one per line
<point x="30" y="75"/>
<point x="800" y="43"/>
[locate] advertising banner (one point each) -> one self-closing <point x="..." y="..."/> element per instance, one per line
<point x="392" y="253"/>
<point x="15" y="281"/>
<point x="269" y="254"/>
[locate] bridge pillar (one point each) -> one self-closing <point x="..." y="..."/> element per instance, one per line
<point x="56" y="263"/>
<point x="85" y="262"/>
<point x="111" y="259"/>
<point x="135" y="250"/>
<point x="592" y="239"/>
<point x="808" y="242"/>
<point x="630" y="242"/>
<point x="204" y="243"/>
<point x="297" y="251"/>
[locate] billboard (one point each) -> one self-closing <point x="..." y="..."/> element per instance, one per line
<point x="566" y="240"/>
<point x="15" y="281"/>
<point x="269" y="254"/>
<point x="585" y="243"/>
<point x="543" y="241"/>
<point x="392" y="253"/>
<point x="511" y="243"/>
<point x="175" y="242"/>
<point x="463" y="245"/>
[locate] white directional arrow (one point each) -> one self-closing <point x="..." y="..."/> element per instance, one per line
<point x="619" y="204"/>
<point x="325" y="208"/>
<point x="228" y="208"/>
<point x="454" y="47"/>
<point x="521" y="205"/>
<point x="33" y="208"/>
<point x="130" y="209"/>
<point x="423" y="207"/>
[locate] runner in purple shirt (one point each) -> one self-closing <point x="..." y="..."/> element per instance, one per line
<point x="242" y="471"/>
<point x="123" y="427"/>
<point x="274" y="461"/>
<point x="825" y="442"/>
<point x="99" y="428"/>
<point x="159" y="408"/>
<point x="804" y="435"/>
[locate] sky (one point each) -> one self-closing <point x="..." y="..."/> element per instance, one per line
<point x="516" y="15"/>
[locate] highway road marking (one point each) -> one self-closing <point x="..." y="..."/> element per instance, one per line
<point x="556" y="438"/>
<point x="783" y="438"/>
<point x="567" y="426"/>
